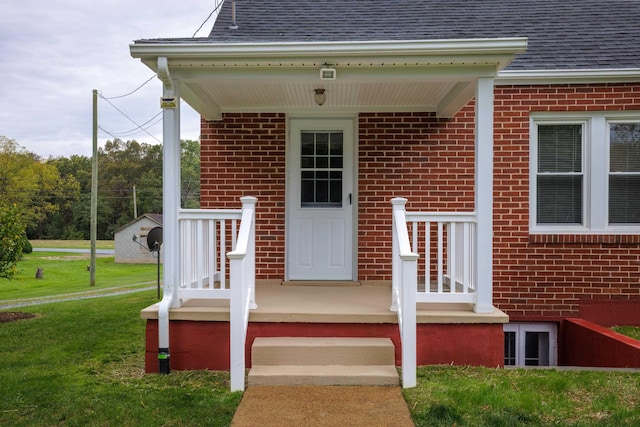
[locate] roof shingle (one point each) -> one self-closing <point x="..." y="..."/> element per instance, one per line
<point x="563" y="34"/>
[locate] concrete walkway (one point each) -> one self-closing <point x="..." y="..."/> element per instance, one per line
<point x="309" y="406"/>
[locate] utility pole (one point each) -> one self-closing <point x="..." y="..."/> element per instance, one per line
<point x="94" y="191"/>
<point x="135" y="203"/>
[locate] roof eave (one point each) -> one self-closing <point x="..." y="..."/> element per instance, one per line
<point x="149" y="49"/>
<point x="601" y="75"/>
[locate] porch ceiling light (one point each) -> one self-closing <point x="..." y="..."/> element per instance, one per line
<point x="320" y="96"/>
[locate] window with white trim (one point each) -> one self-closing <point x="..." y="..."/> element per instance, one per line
<point x="530" y="344"/>
<point x="585" y="173"/>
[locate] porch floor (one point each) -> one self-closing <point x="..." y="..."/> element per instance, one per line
<point x="326" y="304"/>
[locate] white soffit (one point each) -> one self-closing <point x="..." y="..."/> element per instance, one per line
<point x="434" y="76"/>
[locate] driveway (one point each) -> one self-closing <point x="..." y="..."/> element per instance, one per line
<point x="76" y="251"/>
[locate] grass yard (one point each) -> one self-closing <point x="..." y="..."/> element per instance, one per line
<point x="66" y="273"/>
<point x="630" y="331"/>
<point x="459" y="396"/>
<point x="80" y="363"/>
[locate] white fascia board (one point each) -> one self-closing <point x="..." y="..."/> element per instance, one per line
<point x="528" y="77"/>
<point x="270" y="51"/>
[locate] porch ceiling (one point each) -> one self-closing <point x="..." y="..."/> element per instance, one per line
<point x="433" y="76"/>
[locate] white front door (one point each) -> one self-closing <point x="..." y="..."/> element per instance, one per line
<point x="320" y="200"/>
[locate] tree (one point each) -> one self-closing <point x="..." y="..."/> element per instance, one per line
<point x="53" y="196"/>
<point x="30" y="185"/>
<point x="12" y="240"/>
<point x="190" y="165"/>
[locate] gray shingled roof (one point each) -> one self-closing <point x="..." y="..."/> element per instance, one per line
<point x="563" y="34"/>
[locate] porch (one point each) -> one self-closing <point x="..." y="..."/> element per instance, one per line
<point x="213" y="317"/>
<point x="321" y="156"/>
<point x="300" y="303"/>
<point x="446" y="333"/>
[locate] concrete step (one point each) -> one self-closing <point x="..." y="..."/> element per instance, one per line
<point x="323" y="375"/>
<point x="323" y="361"/>
<point x="323" y="351"/>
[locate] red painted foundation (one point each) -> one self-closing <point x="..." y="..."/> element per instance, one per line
<point x="205" y="345"/>
<point x="611" y="312"/>
<point x="587" y="344"/>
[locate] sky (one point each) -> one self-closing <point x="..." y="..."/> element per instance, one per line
<point x="54" y="53"/>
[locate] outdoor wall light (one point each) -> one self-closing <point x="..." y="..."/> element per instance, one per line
<point x="320" y="96"/>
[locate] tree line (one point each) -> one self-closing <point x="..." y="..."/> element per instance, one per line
<point x="52" y="196"/>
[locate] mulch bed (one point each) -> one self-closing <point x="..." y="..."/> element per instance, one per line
<point x="10" y="316"/>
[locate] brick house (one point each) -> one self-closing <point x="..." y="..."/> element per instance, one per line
<point x="477" y="163"/>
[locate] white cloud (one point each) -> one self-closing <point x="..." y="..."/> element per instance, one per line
<point x="53" y="54"/>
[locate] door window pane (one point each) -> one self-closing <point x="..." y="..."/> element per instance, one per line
<point x="321" y="169"/>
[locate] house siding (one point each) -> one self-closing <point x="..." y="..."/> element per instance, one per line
<point x="430" y="161"/>
<point x="550" y="276"/>
<point x="244" y="155"/>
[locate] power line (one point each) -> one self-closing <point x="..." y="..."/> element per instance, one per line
<point x="130" y="119"/>
<point x="133" y="91"/>
<point x="215" y="9"/>
<point x="137" y="130"/>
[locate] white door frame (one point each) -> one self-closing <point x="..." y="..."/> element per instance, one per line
<point x="324" y="120"/>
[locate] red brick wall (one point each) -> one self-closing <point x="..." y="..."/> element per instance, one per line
<point x="548" y="276"/>
<point x="430" y="161"/>
<point x="427" y="160"/>
<point x="244" y="155"/>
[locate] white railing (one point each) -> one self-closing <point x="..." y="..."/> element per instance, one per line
<point x="243" y="290"/>
<point x="205" y="237"/>
<point x="207" y="271"/>
<point x="403" y="295"/>
<point x="446" y="244"/>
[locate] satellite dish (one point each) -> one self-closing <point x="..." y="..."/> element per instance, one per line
<point x="154" y="239"/>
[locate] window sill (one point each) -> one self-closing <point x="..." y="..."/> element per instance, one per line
<point x="605" y="239"/>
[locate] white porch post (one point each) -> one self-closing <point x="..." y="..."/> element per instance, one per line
<point x="170" y="207"/>
<point x="484" y="196"/>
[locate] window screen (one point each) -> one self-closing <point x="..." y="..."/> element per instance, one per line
<point x="559" y="179"/>
<point x="624" y="173"/>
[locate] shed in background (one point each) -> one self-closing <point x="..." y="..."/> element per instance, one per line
<point x="136" y="252"/>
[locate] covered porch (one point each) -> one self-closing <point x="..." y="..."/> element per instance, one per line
<point x="445" y="332"/>
<point x="438" y="261"/>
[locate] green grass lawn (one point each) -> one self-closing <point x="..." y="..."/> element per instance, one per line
<point x="630" y="331"/>
<point x="80" y="363"/>
<point x="67" y="273"/>
<point x="450" y="395"/>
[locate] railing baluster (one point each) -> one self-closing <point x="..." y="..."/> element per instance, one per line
<point x="440" y="256"/>
<point x="214" y="251"/>
<point x="211" y="250"/>
<point x="465" y="260"/>
<point x="451" y="259"/>
<point x="223" y="250"/>
<point x="199" y="255"/>
<point x="234" y="234"/>
<point x="427" y="257"/>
